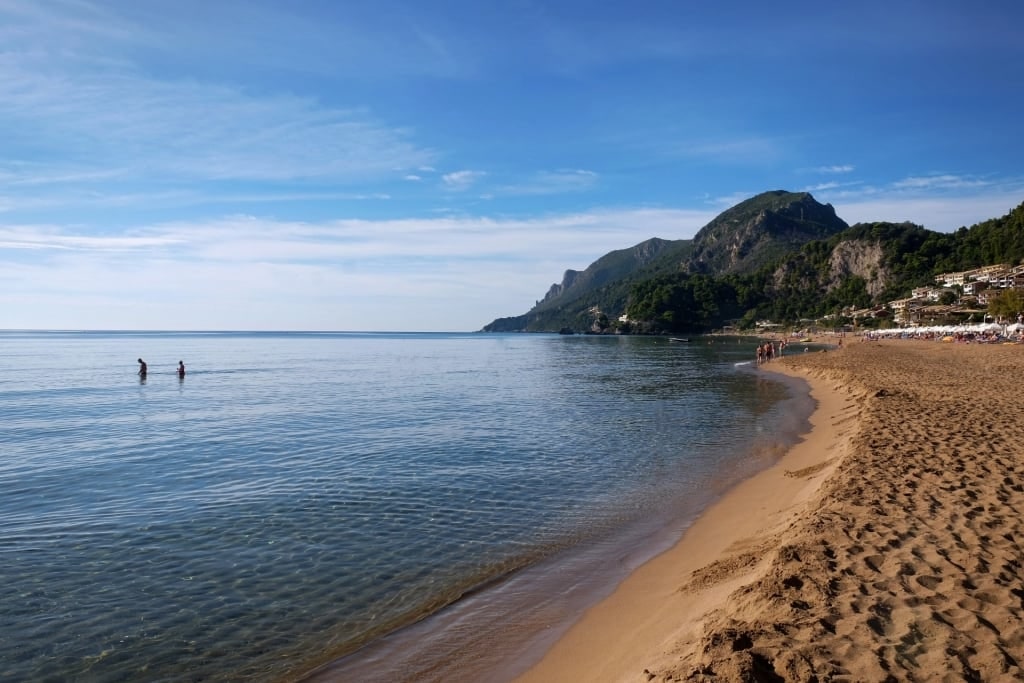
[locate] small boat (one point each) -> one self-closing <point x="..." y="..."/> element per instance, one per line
<point x="678" y="339"/>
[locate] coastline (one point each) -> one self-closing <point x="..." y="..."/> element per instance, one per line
<point x="882" y="546"/>
<point x="656" y="612"/>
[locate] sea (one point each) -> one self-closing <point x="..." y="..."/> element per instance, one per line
<point x="350" y="506"/>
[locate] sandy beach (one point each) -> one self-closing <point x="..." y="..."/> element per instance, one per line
<point x="883" y="547"/>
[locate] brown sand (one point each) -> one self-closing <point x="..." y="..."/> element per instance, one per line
<point x="884" y="547"/>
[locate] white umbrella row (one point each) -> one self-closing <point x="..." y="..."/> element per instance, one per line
<point x="977" y="328"/>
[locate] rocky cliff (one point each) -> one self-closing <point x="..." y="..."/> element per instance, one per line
<point x="859" y="258"/>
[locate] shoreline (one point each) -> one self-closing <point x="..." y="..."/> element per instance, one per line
<point x="456" y="643"/>
<point x="891" y="552"/>
<point x="652" y="614"/>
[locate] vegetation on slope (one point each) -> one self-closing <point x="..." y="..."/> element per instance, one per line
<point x="759" y="261"/>
<point x="802" y="285"/>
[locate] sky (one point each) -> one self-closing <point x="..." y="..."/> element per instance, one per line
<point x="401" y="165"/>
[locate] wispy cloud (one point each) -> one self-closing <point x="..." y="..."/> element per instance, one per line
<point x="462" y="180"/>
<point x="76" y="199"/>
<point x="935" y="213"/>
<point x="52" y="238"/>
<point x="463" y="270"/>
<point x="77" y="22"/>
<point x="832" y="185"/>
<point x="553" y="182"/>
<point x="198" y="131"/>
<point x="844" y="168"/>
<point x="22" y="174"/>
<point x="940" y="182"/>
<point x="940" y="186"/>
<point x="77" y="109"/>
<point x="249" y="238"/>
<point x="938" y="202"/>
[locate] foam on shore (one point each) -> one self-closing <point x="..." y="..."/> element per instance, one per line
<point x="883" y="546"/>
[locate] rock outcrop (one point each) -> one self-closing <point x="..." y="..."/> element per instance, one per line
<point x="858" y="258"/>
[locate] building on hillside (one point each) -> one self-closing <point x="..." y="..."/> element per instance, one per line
<point x="983" y="274"/>
<point x="922" y="292"/>
<point x="989" y="273"/>
<point x="930" y="293"/>
<point x="986" y="295"/>
<point x="904" y="310"/>
<point x="952" y="279"/>
<point x="1010" y="279"/>
<point x="996" y="276"/>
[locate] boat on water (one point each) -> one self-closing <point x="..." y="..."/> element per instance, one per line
<point x="679" y="339"/>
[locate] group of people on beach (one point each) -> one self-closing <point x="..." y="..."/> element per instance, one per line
<point x="144" y="369"/>
<point x="768" y="350"/>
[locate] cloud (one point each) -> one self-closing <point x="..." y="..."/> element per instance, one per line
<point x="845" y="168"/>
<point x="935" y="212"/>
<point x="80" y="199"/>
<point x="553" y="182"/>
<point x="51" y="238"/>
<point x="939" y="182"/>
<point x="249" y="272"/>
<point x="360" y="242"/>
<point x="462" y="180"/>
<point x="196" y="131"/>
<point x="78" y="108"/>
<point x="832" y="185"/>
<point x="938" y="201"/>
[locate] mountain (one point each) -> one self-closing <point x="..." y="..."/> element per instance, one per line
<point x="780" y="256"/>
<point x="761" y="230"/>
<point x="739" y="240"/>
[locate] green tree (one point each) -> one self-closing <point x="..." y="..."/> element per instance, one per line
<point x="1007" y="304"/>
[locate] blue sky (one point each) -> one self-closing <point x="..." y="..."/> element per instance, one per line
<point x="406" y="165"/>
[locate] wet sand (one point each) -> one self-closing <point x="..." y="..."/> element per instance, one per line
<point x="882" y="547"/>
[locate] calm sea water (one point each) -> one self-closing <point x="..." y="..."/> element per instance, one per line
<point x="301" y="497"/>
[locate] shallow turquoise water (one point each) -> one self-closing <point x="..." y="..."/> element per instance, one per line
<point x="299" y="495"/>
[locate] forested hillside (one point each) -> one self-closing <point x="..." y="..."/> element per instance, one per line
<point x="868" y="264"/>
